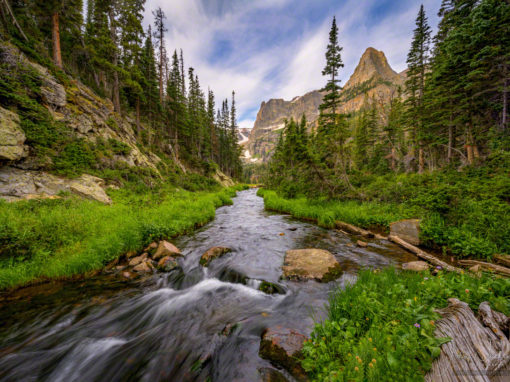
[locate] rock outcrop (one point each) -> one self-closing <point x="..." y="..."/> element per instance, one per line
<point x="373" y="80"/>
<point x="12" y="137"/>
<point x="17" y="184"/>
<point x="311" y="264"/>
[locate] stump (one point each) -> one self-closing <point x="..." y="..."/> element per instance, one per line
<point x="478" y="351"/>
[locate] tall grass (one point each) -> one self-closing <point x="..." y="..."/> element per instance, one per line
<point x="61" y="238"/>
<point x="325" y="213"/>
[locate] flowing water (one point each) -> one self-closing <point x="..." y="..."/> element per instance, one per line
<point x="171" y="326"/>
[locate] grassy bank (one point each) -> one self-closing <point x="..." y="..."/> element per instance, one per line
<point x="381" y="328"/>
<point x="465" y="214"/>
<point x="60" y="238"/>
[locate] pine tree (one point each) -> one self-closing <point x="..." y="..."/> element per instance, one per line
<point x="418" y="64"/>
<point x="159" y="35"/>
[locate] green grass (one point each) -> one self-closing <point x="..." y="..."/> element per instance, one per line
<point x="60" y="238"/>
<point x="326" y="212"/>
<point x="371" y="332"/>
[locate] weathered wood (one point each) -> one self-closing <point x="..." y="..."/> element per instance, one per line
<point x="353" y="229"/>
<point x="475" y="352"/>
<point x="487" y="266"/>
<point x="503" y="259"/>
<point x="424" y="255"/>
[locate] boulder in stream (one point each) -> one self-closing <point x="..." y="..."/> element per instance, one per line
<point x="166" y="248"/>
<point x="167" y="264"/>
<point x="282" y="347"/>
<point x="213" y="253"/>
<point x="417" y="266"/>
<point x="137" y="260"/>
<point x="408" y="230"/>
<point x="271" y="375"/>
<point x="144" y="267"/>
<point x="307" y="264"/>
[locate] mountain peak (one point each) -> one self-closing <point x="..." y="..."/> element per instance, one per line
<point x="372" y="63"/>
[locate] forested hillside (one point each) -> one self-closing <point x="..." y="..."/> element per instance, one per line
<point x="439" y="148"/>
<point x="139" y="84"/>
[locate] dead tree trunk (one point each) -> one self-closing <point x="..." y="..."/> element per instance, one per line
<point x="57" y="54"/>
<point x="478" y="351"/>
<point x="115" y="62"/>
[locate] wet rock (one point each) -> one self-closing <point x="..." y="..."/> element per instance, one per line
<point x="151" y="247"/>
<point x="417" y="266"/>
<point x="408" y="230"/>
<point x="127" y="275"/>
<point x="306" y="264"/>
<point x="12" y="137"/>
<point x="167" y="264"/>
<point x="213" y="253"/>
<point x="137" y="260"/>
<point x="271" y="375"/>
<point x="228" y="329"/>
<point x="130" y="254"/>
<point x="282" y="347"/>
<point x="233" y="276"/>
<point x="120" y="267"/>
<point x="271" y="288"/>
<point x="361" y="244"/>
<point x="293" y="229"/>
<point x="144" y="267"/>
<point x="166" y="248"/>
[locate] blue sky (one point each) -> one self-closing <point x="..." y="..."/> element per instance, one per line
<point x="266" y="49"/>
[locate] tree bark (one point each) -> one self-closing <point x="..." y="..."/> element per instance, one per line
<point x="421" y="160"/>
<point x="505" y="103"/>
<point x="115" y="62"/>
<point x="57" y="54"/>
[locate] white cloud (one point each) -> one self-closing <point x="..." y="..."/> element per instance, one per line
<point x="260" y="66"/>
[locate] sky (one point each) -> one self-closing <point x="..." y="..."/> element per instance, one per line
<point x="265" y="49"/>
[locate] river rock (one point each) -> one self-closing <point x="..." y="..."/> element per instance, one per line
<point x="144" y="267"/>
<point x="282" y="346"/>
<point x="137" y="260"/>
<point x="166" y="248"/>
<point x="12" y="137"/>
<point x="152" y="246"/>
<point x="271" y="375"/>
<point x="361" y="244"/>
<point x="166" y="264"/>
<point x="417" y="266"/>
<point x="318" y="264"/>
<point x="213" y="253"/>
<point x="408" y="230"/>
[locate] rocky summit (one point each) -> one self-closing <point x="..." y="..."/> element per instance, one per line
<point x="372" y="80"/>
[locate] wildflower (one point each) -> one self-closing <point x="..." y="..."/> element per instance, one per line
<point x="349" y="354"/>
<point x="366" y="318"/>
<point x="416" y="325"/>
<point x="426" y="278"/>
<point x="356" y="368"/>
<point x="432" y="322"/>
<point x="360" y="360"/>
<point x="370" y="365"/>
<point x="375" y="349"/>
<point x="439" y="267"/>
<point x="467" y="290"/>
<point x="415" y="298"/>
<point x="370" y="339"/>
<point x="374" y="360"/>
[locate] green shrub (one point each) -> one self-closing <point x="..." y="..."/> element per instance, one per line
<point x="382" y="327"/>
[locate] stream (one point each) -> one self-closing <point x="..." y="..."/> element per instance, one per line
<point x="171" y="326"/>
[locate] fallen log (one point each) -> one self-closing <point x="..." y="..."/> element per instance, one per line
<point x="353" y="229"/>
<point x="487" y="266"/>
<point x="424" y="255"/>
<point x="503" y="259"/>
<point x="475" y="352"/>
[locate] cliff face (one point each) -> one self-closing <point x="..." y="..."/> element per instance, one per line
<point x="373" y="79"/>
<point x="76" y="115"/>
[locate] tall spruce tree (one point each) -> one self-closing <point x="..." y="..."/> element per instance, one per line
<point x="418" y="64"/>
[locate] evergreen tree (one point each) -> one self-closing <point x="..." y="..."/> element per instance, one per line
<point x="418" y="64"/>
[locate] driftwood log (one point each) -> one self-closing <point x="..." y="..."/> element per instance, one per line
<point x="424" y="255"/>
<point x="477" y="352"/>
<point x="353" y="229"/>
<point x="487" y="266"/>
<point x="503" y="259"/>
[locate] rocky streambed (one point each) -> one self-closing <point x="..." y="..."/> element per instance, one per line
<point x="233" y="301"/>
